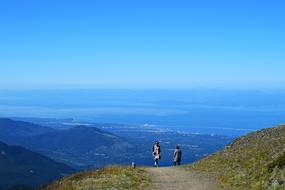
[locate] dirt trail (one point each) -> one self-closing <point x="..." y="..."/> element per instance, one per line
<point x="170" y="178"/>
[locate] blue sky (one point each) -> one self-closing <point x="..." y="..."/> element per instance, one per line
<point x="142" y="44"/>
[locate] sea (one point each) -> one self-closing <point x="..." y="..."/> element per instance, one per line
<point x="230" y="112"/>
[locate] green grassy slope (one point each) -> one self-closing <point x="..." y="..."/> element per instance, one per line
<point x="115" y="177"/>
<point x="255" y="161"/>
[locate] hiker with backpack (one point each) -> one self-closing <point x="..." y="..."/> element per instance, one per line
<point x="177" y="156"/>
<point x="156" y="153"/>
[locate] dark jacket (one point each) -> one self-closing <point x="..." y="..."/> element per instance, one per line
<point x="158" y="148"/>
<point x="177" y="155"/>
<point x="156" y="152"/>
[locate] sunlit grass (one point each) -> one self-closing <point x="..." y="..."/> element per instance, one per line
<point x="113" y="177"/>
<point x="255" y="161"/>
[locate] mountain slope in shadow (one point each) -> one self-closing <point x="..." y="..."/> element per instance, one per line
<point x="20" y="166"/>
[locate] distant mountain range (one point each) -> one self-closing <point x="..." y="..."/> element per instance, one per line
<point x="79" y="146"/>
<point x="14" y="129"/>
<point x="22" y="167"/>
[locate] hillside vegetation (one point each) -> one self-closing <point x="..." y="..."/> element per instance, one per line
<point x="115" y="177"/>
<point x="255" y="161"/>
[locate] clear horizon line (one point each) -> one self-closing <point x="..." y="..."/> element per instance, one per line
<point x="140" y="88"/>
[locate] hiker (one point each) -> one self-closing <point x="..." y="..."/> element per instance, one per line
<point x="156" y="153"/>
<point x="177" y="156"/>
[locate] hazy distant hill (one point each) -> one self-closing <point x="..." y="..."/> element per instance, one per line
<point x="255" y="161"/>
<point x="19" y="166"/>
<point x="55" y="123"/>
<point x="13" y="129"/>
<point x="79" y="146"/>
